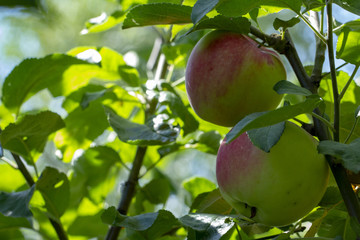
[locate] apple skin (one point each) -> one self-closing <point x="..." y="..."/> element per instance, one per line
<point x="228" y="76"/>
<point x="275" y="188"/>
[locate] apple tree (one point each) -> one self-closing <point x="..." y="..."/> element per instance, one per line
<point x="188" y="138"/>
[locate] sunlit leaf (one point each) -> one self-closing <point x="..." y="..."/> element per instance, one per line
<point x="348" y="44"/>
<point x="197" y="185"/>
<point x="29" y="134"/>
<point x="54" y="188"/>
<point x="157" y="14"/>
<point x="103" y="22"/>
<point x="16" y="204"/>
<point x="33" y="75"/>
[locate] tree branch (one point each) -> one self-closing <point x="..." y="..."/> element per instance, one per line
<point x="128" y="191"/>
<point x="30" y="181"/>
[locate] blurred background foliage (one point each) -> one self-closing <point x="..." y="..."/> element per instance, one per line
<point x="59" y="27"/>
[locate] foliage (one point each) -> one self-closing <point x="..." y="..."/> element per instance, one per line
<point x="126" y="132"/>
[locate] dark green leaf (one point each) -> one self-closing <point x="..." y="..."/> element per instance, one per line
<point x="348" y="44"/>
<point x="54" y="188"/>
<point x="211" y="139"/>
<point x="24" y="3"/>
<point x="234" y="24"/>
<point x="7" y="223"/>
<point x="352" y="6"/>
<point x="278" y="23"/>
<point x="16" y="204"/>
<point x="179" y="110"/>
<point x="88" y="226"/>
<point x="263" y="119"/>
<point x="30" y="133"/>
<point x="33" y="75"/>
<point x="211" y="202"/>
<point x="286" y="87"/>
<point x="312" y="4"/>
<point x="349" y="154"/>
<point x="139" y="134"/>
<point x="157" y="190"/>
<point x="236" y="8"/>
<point x="331" y="197"/>
<point x="91" y="96"/>
<point x="157" y="14"/>
<point x="211" y="226"/>
<point x="266" y="137"/>
<point x="159" y="221"/>
<point x="201" y="8"/>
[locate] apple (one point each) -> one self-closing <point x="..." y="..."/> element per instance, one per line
<point x="275" y="188"/>
<point x="228" y="76"/>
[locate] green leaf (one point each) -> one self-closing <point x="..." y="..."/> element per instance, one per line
<point x="33" y="75"/>
<point x="82" y="127"/>
<point x="16" y="204"/>
<point x="29" y="134"/>
<point x="23" y="3"/>
<point x="233" y="24"/>
<point x="91" y="96"/>
<point x="263" y="119"/>
<point x="113" y="62"/>
<point x="210" y="226"/>
<point x="157" y="14"/>
<point x="266" y="137"/>
<point x="89" y="226"/>
<point x="139" y="134"/>
<point x="211" y="202"/>
<point x="312" y="4"/>
<point x="236" y="8"/>
<point x="331" y="197"/>
<point x="348" y="44"/>
<point x="55" y="189"/>
<point x="103" y="22"/>
<point x="7" y="223"/>
<point x="197" y="185"/>
<point x="201" y="8"/>
<point x="157" y="190"/>
<point x="349" y="154"/>
<point x="352" y="6"/>
<point x="179" y="110"/>
<point x="278" y="23"/>
<point x="286" y="87"/>
<point x="153" y="224"/>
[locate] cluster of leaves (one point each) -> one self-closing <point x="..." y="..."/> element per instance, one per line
<point x="64" y="168"/>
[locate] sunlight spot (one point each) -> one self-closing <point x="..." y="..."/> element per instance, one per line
<point x="90" y="55"/>
<point x="131" y="59"/>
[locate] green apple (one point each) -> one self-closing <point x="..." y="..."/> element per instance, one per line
<point x="228" y="76"/>
<point x="275" y="188"/>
